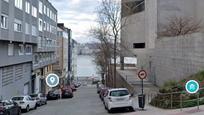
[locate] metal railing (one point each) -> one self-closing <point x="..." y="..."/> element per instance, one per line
<point x="175" y="100"/>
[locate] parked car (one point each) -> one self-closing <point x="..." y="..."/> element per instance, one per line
<point x="53" y="95"/>
<point x="25" y="102"/>
<point x="118" y="98"/>
<point x="40" y="98"/>
<point x="67" y="92"/>
<point x="73" y="88"/>
<point x="9" y="108"/>
<point x="102" y="93"/>
<point x="99" y="87"/>
<point x="77" y="84"/>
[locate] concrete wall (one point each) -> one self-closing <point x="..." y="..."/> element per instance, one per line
<point x="15" y="81"/>
<point x="177" y="57"/>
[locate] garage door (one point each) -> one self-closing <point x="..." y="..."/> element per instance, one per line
<point x="26" y="89"/>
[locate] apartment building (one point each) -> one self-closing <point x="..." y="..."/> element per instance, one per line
<point x="45" y="52"/>
<point x="61" y="67"/>
<point x="22" y="39"/>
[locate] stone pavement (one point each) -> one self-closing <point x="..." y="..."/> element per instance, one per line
<point x="150" y="110"/>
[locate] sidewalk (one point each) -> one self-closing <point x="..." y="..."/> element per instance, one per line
<point x="150" y="110"/>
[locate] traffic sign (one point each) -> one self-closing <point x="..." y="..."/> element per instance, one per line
<point x="142" y="74"/>
<point x="192" y="86"/>
<point x="52" y="80"/>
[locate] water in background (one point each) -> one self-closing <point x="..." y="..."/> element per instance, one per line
<point x="86" y="67"/>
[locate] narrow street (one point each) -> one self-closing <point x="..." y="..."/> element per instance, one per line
<point x="85" y="102"/>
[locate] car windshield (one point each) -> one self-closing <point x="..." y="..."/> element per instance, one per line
<point x="34" y="95"/>
<point x="1" y="104"/>
<point x="17" y="98"/>
<point x="119" y="93"/>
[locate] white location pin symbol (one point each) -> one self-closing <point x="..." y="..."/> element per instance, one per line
<point x="52" y="79"/>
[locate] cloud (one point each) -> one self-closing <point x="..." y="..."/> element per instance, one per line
<point x="78" y="15"/>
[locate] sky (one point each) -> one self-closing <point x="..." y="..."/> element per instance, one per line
<point x="78" y="15"/>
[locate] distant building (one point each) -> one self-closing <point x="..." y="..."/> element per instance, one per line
<point x="61" y="67"/>
<point x="74" y="58"/>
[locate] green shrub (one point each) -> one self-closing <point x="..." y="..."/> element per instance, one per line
<point x="188" y="100"/>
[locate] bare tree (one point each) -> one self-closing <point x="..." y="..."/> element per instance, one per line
<point x="104" y="53"/>
<point x="179" y="26"/>
<point x="109" y="14"/>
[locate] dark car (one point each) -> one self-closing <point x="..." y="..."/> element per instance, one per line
<point x="53" y="95"/>
<point x="40" y="98"/>
<point x="9" y="108"/>
<point x="67" y="92"/>
<point x="73" y="88"/>
<point x="77" y="84"/>
<point x="102" y="93"/>
<point x="99" y="87"/>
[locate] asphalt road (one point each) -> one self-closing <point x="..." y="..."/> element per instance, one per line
<point x="85" y="102"/>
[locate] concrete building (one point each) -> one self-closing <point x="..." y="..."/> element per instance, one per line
<point x="61" y="67"/>
<point x="74" y="58"/>
<point x="44" y="54"/>
<point x="144" y="19"/>
<point x="21" y="33"/>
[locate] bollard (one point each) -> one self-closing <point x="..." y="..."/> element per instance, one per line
<point x="181" y="102"/>
<point x="171" y="100"/>
<point x="198" y="101"/>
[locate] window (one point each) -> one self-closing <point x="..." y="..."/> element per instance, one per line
<point x="19" y="4"/>
<point x="17" y="25"/>
<point x="34" y="30"/>
<point x="40" y="42"/>
<point x="27" y="28"/>
<point x="138" y="45"/>
<point x="44" y="25"/>
<point x="27" y="7"/>
<point x="4" y="21"/>
<point x="40" y="7"/>
<point x="48" y="12"/>
<point x="40" y="24"/>
<point x="48" y="27"/>
<point x="34" y="11"/>
<point x="21" y="49"/>
<point x="28" y="50"/>
<point x="10" y="49"/>
<point x="45" y="9"/>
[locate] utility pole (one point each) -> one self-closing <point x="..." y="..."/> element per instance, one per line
<point x="69" y="56"/>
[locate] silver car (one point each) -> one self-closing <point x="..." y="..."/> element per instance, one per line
<point x="40" y="98"/>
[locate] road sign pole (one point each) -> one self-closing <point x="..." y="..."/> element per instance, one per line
<point x="142" y="87"/>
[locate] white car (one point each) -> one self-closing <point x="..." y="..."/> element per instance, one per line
<point x="25" y="102"/>
<point x="118" y="98"/>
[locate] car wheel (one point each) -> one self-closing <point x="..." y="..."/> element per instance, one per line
<point x="27" y="108"/>
<point x="19" y="112"/>
<point x="131" y="109"/>
<point x="109" y="110"/>
<point x="105" y="107"/>
<point x="35" y="106"/>
<point x="7" y="113"/>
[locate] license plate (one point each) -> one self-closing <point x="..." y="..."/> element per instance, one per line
<point x="120" y="99"/>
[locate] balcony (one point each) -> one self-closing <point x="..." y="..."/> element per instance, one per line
<point x="44" y="63"/>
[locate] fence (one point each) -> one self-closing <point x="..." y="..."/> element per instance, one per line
<point x="176" y="100"/>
